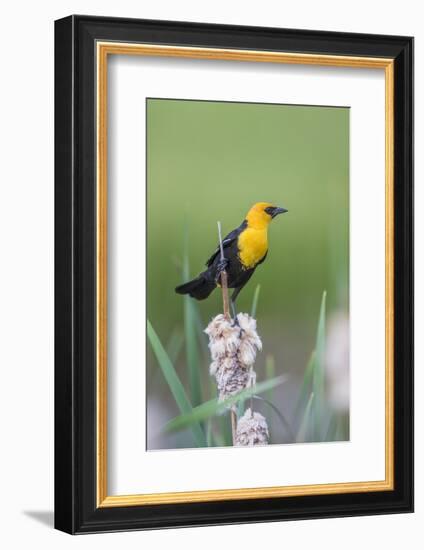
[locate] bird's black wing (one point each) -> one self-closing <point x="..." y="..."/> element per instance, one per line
<point x="227" y="241"/>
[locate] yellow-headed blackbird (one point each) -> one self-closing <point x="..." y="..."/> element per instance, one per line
<point x="244" y="249"/>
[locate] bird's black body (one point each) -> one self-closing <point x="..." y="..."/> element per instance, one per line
<point x="234" y="245"/>
<point x="237" y="275"/>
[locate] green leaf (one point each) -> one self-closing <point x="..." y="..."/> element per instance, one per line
<point x="305" y="389"/>
<point x="220" y="438"/>
<point x="201" y="336"/>
<point x="255" y="301"/>
<point x="332" y="428"/>
<point x="215" y="408"/>
<point x="342" y="428"/>
<point x="305" y="424"/>
<point x="174" y="383"/>
<point x="209" y="435"/>
<point x="280" y="415"/>
<point x="338" y="428"/>
<point x="224" y="431"/>
<point x="190" y="322"/>
<point x="314" y="380"/>
<point x="319" y="374"/>
<point x="269" y="372"/>
<point x="192" y="351"/>
<point x="240" y="409"/>
<point x="175" y="345"/>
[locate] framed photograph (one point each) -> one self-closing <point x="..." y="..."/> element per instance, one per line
<point x="234" y="274"/>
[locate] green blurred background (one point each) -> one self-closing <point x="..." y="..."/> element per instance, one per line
<point x="209" y="161"/>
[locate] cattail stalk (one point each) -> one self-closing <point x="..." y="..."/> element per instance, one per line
<point x="226" y="309"/>
<point x="224" y="278"/>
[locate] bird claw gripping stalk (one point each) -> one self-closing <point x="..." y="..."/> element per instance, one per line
<point x="222" y="266"/>
<point x="236" y="323"/>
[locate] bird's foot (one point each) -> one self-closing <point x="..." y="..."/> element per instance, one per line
<point x="221" y="266"/>
<point x="236" y="323"/>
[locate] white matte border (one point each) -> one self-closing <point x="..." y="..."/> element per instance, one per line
<point x="132" y="470"/>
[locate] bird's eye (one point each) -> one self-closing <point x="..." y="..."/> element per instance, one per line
<point x="269" y="210"/>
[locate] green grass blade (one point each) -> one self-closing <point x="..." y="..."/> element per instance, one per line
<point x="280" y="415"/>
<point x="192" y="351"/>
<point x="209" y="435"/>
<point x="175" y="345"/>
<point x="215" y="408"/>
<point x="240" y="409"/>
<point x="190" y="321"/>
<point x="318" y="373"/>
<point x="305" y="424"/>
<point x="255" y="301"/>
<point x="212" y="388"/>
<point x="332" y="428"/>
<point x="174" y="383"/>
<point x="306" y="386"/>
<point x="320" y="343"/>
<point x="270" y="373"/>
<point x="342" y="428"/>
<point x="223" y="437"/>
<point x="200" y="332"/>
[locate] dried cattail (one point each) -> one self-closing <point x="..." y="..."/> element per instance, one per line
<point x="252" y="429"/>
<point x="250" y="342"/>
<point x="233" y="350"/>
<point x="224" y="337"/>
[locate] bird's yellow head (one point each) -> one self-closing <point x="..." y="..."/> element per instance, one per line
<point x="262" y="213"/>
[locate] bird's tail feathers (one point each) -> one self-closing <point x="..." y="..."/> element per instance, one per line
<point x="198" y="288"/>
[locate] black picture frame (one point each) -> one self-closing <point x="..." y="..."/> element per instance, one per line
<point x="76" y="510"/>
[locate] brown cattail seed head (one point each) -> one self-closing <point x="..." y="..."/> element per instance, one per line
<point x="252" y="429"/>
<point x="233" y="350"/>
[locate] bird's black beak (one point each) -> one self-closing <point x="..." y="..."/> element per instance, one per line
<point x="278" y="210"/>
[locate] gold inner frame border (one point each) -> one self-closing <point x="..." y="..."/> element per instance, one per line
<point x="103" y="50"/>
